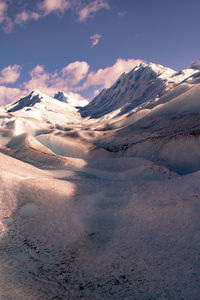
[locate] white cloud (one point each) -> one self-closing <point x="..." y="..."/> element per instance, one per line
<point x="9" y="94"/>
<point x="10" y="74"/>
<point x="46" y="7"/>
<point x="22" y="17"/>
<point x="49" y="6"/>
<point x="106" y="77"/>
<point x="39" y="79"/>
<point x="94" y="39"/>
<point x="75" y="72"/>
<point x="68" y="79"/>
<point x="3" y="11"/>
<point x="5" y="21"/>
<point x="25" y="16"/>
<point x="65" y="80"/>
<point x="93" y="6"/>
<point x="122" y="13"/>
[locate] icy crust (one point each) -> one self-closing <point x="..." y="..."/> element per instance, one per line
<point x="97" y="239"/>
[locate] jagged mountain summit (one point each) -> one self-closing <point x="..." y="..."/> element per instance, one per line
<point x="39" y="106"/>
<point x="61" y="96"/>
<point x="38" y="99"/>
<point x="144" y="85"/>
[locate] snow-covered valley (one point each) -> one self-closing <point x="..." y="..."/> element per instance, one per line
<point x="101" y="201"/>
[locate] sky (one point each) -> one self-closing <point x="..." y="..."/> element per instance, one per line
<point x="83" y="46"/>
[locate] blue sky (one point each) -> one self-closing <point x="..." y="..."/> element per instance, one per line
<point x="82" y="46"/>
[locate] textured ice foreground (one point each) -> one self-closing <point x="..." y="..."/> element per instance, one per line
<point x="98" y="238"/>
<point x="102" y="208"/>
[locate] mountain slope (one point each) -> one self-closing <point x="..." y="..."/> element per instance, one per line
<point x="144" y="84"/>
<point x="169" y="133"/>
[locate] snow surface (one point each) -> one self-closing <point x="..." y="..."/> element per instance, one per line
<point x="108" y="207"/>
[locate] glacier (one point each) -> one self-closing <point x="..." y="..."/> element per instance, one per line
<point x="101" y="200"/>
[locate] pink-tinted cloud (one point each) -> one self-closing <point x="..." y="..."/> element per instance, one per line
<point x="122" y="13"/>
<point x="65" y="80"/>
<point x="106" y="77"/>
<point x="93" y="6"/>
<point x="46" y="7"/>
<point x="75" y="72"/>
<point x="39" y="79"/>
<point x="49" y="83"/>
<point x="10" y="74"/>
<point x="9" y="94"/>
<point x="5" y="21"/>
<point x="49" y="6"/>
<point x="3" y="11"/>
<point x="94" y="39"/>
<point x="25" y="16"/>
<point x="22" y="17"/>
<point x="69" y="79"/>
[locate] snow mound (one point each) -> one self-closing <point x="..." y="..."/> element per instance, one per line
<point x="188" y="102"/>
<point x="68" y="147"/>
<point x="26" y="141"/>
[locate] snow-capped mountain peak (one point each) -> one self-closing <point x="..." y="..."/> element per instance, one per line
<point x="36" y="99"/>
<point x="41" y="107"/>
<point x="144" y="84"/>
<point x="70" y="99"/>
<point x="32" y="99"/>
<point x="61" y="96"/>
<point x="161" y="71"/>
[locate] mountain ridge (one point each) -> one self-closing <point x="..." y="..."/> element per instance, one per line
<point x="146" y="82"/>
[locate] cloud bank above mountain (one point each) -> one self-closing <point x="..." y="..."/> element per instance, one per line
<point x="74" y="79"/>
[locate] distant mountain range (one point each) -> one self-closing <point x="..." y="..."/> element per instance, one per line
<point x="144" y="87"/>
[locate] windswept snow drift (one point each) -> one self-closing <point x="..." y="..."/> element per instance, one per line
<point x="103" y="207"/>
